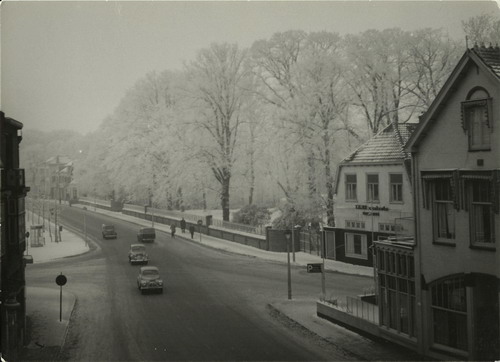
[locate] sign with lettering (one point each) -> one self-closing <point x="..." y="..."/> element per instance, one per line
<point x="373" y="208"/>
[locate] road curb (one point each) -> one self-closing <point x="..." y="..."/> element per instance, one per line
<point x="293" y="323"/>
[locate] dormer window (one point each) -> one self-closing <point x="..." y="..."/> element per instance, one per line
<point x="477" y="119"/>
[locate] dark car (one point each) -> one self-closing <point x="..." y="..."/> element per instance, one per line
<point x="149" y="279"/>
<point x="137" y="254"/>
<point x="146" y="235"/>
<point x="108" y="232"/>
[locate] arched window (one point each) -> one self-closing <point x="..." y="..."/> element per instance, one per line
<point x="477" y="119"/>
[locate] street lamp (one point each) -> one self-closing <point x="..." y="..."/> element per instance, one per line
<point x="296" y="227"/>
<point x="292" y="211"/>
<point x="287" y="235"/>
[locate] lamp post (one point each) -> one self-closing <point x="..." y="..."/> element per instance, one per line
<point x="292" y="211"/>
<point x="287" y="235"/>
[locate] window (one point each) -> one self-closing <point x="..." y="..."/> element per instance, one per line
<point x="481" y="213"/>
<point x="476" y="119"/>
<point x="397" y="291"/>
<point x="351" y="224"/>
<point x="351" y="188"/>
<point x="449" y="313"/>
<point x="372" y="188"/>
<point x="396" y="185"/>
<point x="443" y="211"/>
<point x="387" y="228"/>
<point x="356" y="246"/>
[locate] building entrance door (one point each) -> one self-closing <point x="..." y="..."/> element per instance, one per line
<point x="329" y="243"/>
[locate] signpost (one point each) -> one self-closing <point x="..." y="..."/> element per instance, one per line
<point x="288" y="233"/>
<point x="60" y="280"/>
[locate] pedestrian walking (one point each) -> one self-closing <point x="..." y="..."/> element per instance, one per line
<point x="183" y="225"/>
<point x="191" y="230"/>
<point x="172" y="230"/>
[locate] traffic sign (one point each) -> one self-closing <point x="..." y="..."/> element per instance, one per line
<point x="314" y="268"/>
<point x="61" y="280"/>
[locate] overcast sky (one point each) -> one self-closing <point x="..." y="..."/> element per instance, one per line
<point x="67" y="64"/>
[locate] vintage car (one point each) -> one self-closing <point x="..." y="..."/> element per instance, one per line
<point x="146" y="235"/>
<point x="108" y="232"/>
<point x="137" y="254"/>
<point x="149" y="279"/>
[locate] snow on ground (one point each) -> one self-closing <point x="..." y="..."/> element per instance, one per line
<point x="217" y="213"/>
<point x="70" y="244"/>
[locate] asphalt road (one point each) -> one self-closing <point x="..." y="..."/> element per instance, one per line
<point x="213" y="306"/>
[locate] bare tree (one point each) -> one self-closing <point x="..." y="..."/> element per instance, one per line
<point x="433" y="56"/>
<point x="482" y="29"/>
<point x="217" y="78"/>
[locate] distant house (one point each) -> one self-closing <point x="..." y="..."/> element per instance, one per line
<point x="56" y="175"/>
<point x="456" y="162"/>
<point x="373" y="196"/>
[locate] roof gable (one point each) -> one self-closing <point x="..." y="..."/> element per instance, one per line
<point x="490" y="56"/>
<point x="387" y="146"/>
<point x="487" y="59"/>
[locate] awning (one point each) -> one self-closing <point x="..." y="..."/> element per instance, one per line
<point x="487" y="177"/>
<point x="432" y="176"/>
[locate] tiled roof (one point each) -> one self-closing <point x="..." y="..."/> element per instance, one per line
<point x="490" y="56"/>
<point x="385" y="146"/>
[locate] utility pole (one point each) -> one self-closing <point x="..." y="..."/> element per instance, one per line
<point x="289" y="271"/>
<point x="55" y="221"/>
<point x="85" y="228"/>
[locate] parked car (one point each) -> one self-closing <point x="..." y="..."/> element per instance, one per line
<point x="137" y="254"/>
<point x="149" y="279"/>
<point x="108" y="232"/>
<point x="146" y="235"/>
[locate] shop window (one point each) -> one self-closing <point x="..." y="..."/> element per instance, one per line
<point x="351" y="188"/>
<point x="482" y="224"/>
<point x="372" y="188"/>
<point x="397" y="295"/>
<point x="449" y="313"/>
<point x="381" y="260"/>
<point x="356" y="246"/>
<point x="396" y="187"/>
<point x="443" y="211"/>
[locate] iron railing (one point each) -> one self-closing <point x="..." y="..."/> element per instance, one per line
<point x="310" y="242"/>
<point x="361" y="309"/>
<point x="259" y="230"/>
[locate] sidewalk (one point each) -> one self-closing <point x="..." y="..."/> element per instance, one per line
<point x="68" y="243"/>
<point x="301" y="313"/>
<point x="47" y="332"/>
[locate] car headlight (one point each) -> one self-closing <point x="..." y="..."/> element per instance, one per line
<point x="160" y="282"/>
<point x="143" y="282"/>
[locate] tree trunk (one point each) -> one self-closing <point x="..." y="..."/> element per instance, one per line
<point x="225" y="196"/>
<point x="330" y="217"/>
<point x="170" y="201"/>
<point x="311" y="178"/>
<point x="252" y="179"/>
